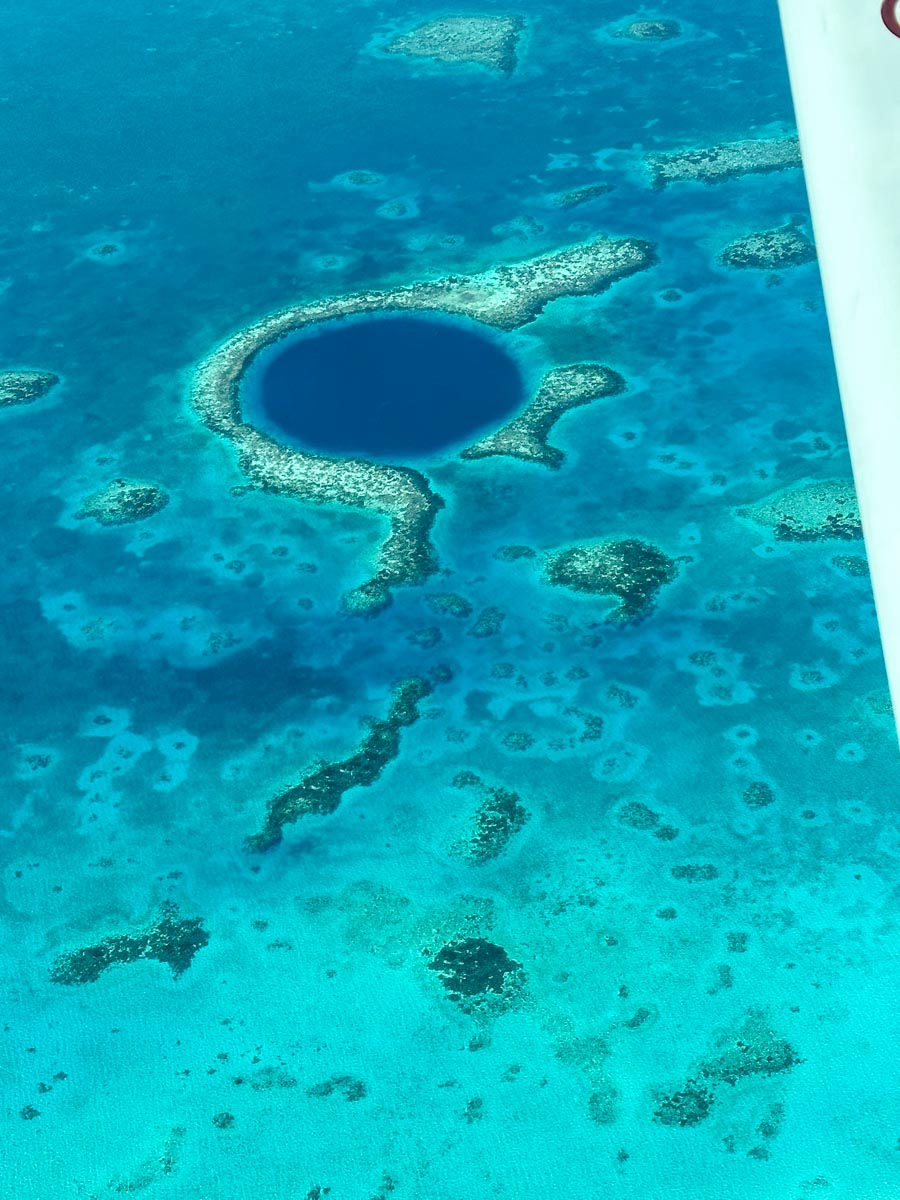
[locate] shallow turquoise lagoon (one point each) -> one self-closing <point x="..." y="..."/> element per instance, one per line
<point x="570" y="872"/>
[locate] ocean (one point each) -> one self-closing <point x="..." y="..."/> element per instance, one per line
<point x="512" y="816"/>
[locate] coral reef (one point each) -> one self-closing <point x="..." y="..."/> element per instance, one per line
<point x="488" y="41"/>
<point x="562" y="389"/>
<point x="478" y="975"/>
<point x="758" y="795"/>
<point x="809" y="512"/>
<point x="695" y="872"/>
<point x="168" y="940"/>
<point x="715" y="164"/>
<point x="505" y="297"/>
<point x="122" y="502"/>
<point x="687" y="1107"/>
<point x="350" y="1088"/>
<point x="582" y="195"/>
<point x="499" y="817"/>
<point x="660" y="30"/>
<point x="448" y="604"/>
<point x="755" y="1049"/>
<point x="488" y="623"/>
<point x="637" y="815"/>
<point x="770" y="250"/>
<point x="322" y="790"/>
<point x="631" y="570"/>
<point x="24" y="387"/>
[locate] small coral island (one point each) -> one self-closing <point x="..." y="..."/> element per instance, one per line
<point x="770" y="250"/>
<point x="628" y="569"/>
<point x="486" y="41"/>
<point x="168" y="940"/>
<point x="505" y="297"/>
<point x="809" y="512"/>
<point x="322" y="790"/>
<point x="123" y="502"/>
<point x="24" y="387"/>
<point x="716" y="164"/>
<point x="563" y="389"/>
<point x="660" y="30"/>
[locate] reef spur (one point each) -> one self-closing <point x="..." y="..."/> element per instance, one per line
<point x="505" y="297"/>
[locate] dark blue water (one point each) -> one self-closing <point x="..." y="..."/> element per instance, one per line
<point x="395" y="387"/>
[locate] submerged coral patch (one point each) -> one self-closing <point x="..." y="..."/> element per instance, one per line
<point x="24" y="387"/>
<point x="488" y="41"/>
<point x="659" y="30"/>
<point x="167" y="940"/>
<point x="562" y="389"/>
<point x="809" y="512"/>
<point x="322" y="790"/>
<point x="122" y="502"/>
<point x="504" y="297"/>
<point x="629" y="569"/>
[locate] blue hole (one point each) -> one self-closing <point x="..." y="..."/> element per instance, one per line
<point x="388" y="388"/>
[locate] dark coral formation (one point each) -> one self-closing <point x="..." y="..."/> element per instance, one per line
<point x="514" y="553"/>
<point x="488" y="623"/>
<point x="168" y="940"/>
<point x="500" y="816"/>
<point x="582" y="195"/>
<point x="695" y="872"/>
<point x="686" y="1107"/>
<point x="770" y="250"/>
<point x="638" y="816"/>
<point x="853" y="565"/>
<point x="758" y="795"/>
<point x="478" y="975"/>
<point x="754" y="1050"/>
<point x="122" y="502"/>
<point x="631" y="570"/>
<point x="449" y="604"/>
<point x="322" y="790"/>
<point x="350" y="1088"/>
<point x="24" y="387"/>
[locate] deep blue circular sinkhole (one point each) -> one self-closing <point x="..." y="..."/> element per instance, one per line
<point x="387" y="387"/>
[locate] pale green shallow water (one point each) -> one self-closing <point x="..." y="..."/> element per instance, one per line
<point x="210" y="147"/>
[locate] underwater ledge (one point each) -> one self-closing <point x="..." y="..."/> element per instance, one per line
<point x="505" y="297"/>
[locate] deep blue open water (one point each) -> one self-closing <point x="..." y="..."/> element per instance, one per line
<point x="162" y="680"/>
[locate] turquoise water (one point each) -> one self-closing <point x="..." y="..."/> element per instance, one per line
<point x="437" y="989"/>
